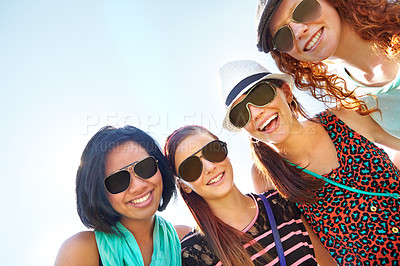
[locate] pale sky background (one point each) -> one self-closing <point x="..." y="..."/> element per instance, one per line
<point x="67" y="68"/>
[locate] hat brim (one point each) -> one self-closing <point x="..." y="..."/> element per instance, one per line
<point x="227" y="123"/>
<point x="263" y="23"/>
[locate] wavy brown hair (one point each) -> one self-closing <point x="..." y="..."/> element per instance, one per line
<point x="375" y="21"/>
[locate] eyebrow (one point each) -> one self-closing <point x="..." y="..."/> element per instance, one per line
<point x="291" y="9"/>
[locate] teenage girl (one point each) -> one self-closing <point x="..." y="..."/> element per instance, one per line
<point x="233" y="228"/>
<point x="346" y="187"/>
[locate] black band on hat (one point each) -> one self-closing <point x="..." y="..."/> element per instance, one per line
<point x="243" y="84"/>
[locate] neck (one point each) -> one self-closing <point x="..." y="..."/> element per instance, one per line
<point x="300" y="144"/>
<point x="140" y="229"/>
<point x="235" y="209"/>
<point x="366" y="64"/>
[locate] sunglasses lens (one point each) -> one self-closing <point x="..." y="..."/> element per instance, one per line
<point x="190" y="169"/>
<point x="118" y="182"/>
<point x="215" y="151"/>
<point x="261" y="95"/>
<point x="239" y="116"/>
<point x="307" y="11"/>
<point x="283" y="39"/>
<point x="146" y="168"/>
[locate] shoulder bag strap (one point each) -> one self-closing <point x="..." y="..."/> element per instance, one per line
<point x="275" y="231"/>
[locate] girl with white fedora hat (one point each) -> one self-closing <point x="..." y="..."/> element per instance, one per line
<point x="233" y="228"/>
<point x="346" y="186"/>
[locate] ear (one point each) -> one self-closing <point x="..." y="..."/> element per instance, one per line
<point x="288" y="92"/>
<point x="184" y="187"/>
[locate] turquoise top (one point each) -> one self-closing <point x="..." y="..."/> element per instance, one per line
<point x="124" y="250"/>
<point x="388" y="98"/>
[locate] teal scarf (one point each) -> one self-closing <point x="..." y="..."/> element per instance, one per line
<point x="124" y="250"/>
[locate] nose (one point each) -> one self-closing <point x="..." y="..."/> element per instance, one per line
<point x="298" y="29"/>
<point x="208" y="167"/>
<point x="255" y="112"/>
<point x="137" y="183"/>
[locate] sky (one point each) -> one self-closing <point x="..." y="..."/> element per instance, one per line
<point x="68" y="68"/>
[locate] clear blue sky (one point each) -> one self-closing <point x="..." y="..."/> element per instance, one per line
<point x="67" y="68"/>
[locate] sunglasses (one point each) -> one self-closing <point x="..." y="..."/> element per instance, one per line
<point x="120" y="181"/>
<point x="260" y="95"/>
<point x="305" y="12"/>
<point x="191" y="168"/>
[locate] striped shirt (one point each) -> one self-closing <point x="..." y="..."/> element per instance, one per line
<point x="296" y="243"/>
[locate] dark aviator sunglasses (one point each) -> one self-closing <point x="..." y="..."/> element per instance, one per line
<point x="191" y="168"/>
<point x="120" y="180"/>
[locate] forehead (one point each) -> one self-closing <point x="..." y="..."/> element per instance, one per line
<point x="282" y="14"/>
<point x="124" y="154"/>
<point x="190" y="145"/>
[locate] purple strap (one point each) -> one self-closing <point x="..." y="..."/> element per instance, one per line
<point x="275" y="231"/>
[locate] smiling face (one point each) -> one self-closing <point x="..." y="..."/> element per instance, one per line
<point x="141" y="199"/>
<point x="314" y="41"/>
<point x="216" y="179"/>
<point x="273" y="122"/>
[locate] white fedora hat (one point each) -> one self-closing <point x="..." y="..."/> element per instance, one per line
<point x="237" y="77"/>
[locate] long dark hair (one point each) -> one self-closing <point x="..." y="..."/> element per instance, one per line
<point x="94" y="209"/>
<point x="225" y="241"/>
<point x="291" y="182"/>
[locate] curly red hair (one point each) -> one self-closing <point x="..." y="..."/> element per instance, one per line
<point x="376" y="21"/>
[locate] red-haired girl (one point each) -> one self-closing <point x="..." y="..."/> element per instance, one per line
<point x="362" y="38"/>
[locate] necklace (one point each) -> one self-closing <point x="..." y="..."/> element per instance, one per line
<point x="384" y="194"/>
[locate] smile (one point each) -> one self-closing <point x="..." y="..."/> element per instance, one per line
<point x="215" y="180"/>
<point x="314" y="40"/>
<point x="264" y="125"/>
<point x="142" y="199"/>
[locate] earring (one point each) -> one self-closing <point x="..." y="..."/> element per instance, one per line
<point x="253" y="140"/>
<point x="294" y="106"/>
<point x="185" y="188"/>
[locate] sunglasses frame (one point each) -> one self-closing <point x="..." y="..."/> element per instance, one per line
<point x="130" y="168"/>
<point x="247" y="104"/>
<point x="290" y="29"/>
<point x="223" y="145"/>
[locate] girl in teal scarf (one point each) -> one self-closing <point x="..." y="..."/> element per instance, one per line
<point x="123" y="179"/>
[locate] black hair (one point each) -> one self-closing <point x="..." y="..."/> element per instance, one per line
<point x="94" y="209"/>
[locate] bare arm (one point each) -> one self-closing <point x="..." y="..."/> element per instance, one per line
<point x="80" y="249"/>
<point x="182" y="230"/>
<point x="321" y="254"/>
<point x="261" y="183"/>
<point x="368" y="127"/>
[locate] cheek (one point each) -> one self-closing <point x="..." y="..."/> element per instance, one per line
<point x="158" y="181"/>
<point x="114" y="200"/>
<point x="249" y="127"/>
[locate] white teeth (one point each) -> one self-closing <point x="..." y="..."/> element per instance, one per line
<point x="314" y="40"/>
<point x="212" y="181"/>
<point x="136" y="201"/>
<point x="267" y="122"/>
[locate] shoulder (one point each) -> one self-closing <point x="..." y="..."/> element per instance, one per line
<point x="196" y="251"/>
<point x="192" y="237"/>
<point x="182" y="230"/>
<point x="261" y="182"/>
<point x="79" y="249"/>
<point x="362" y="124"/>
<point x="281" y="206"/>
